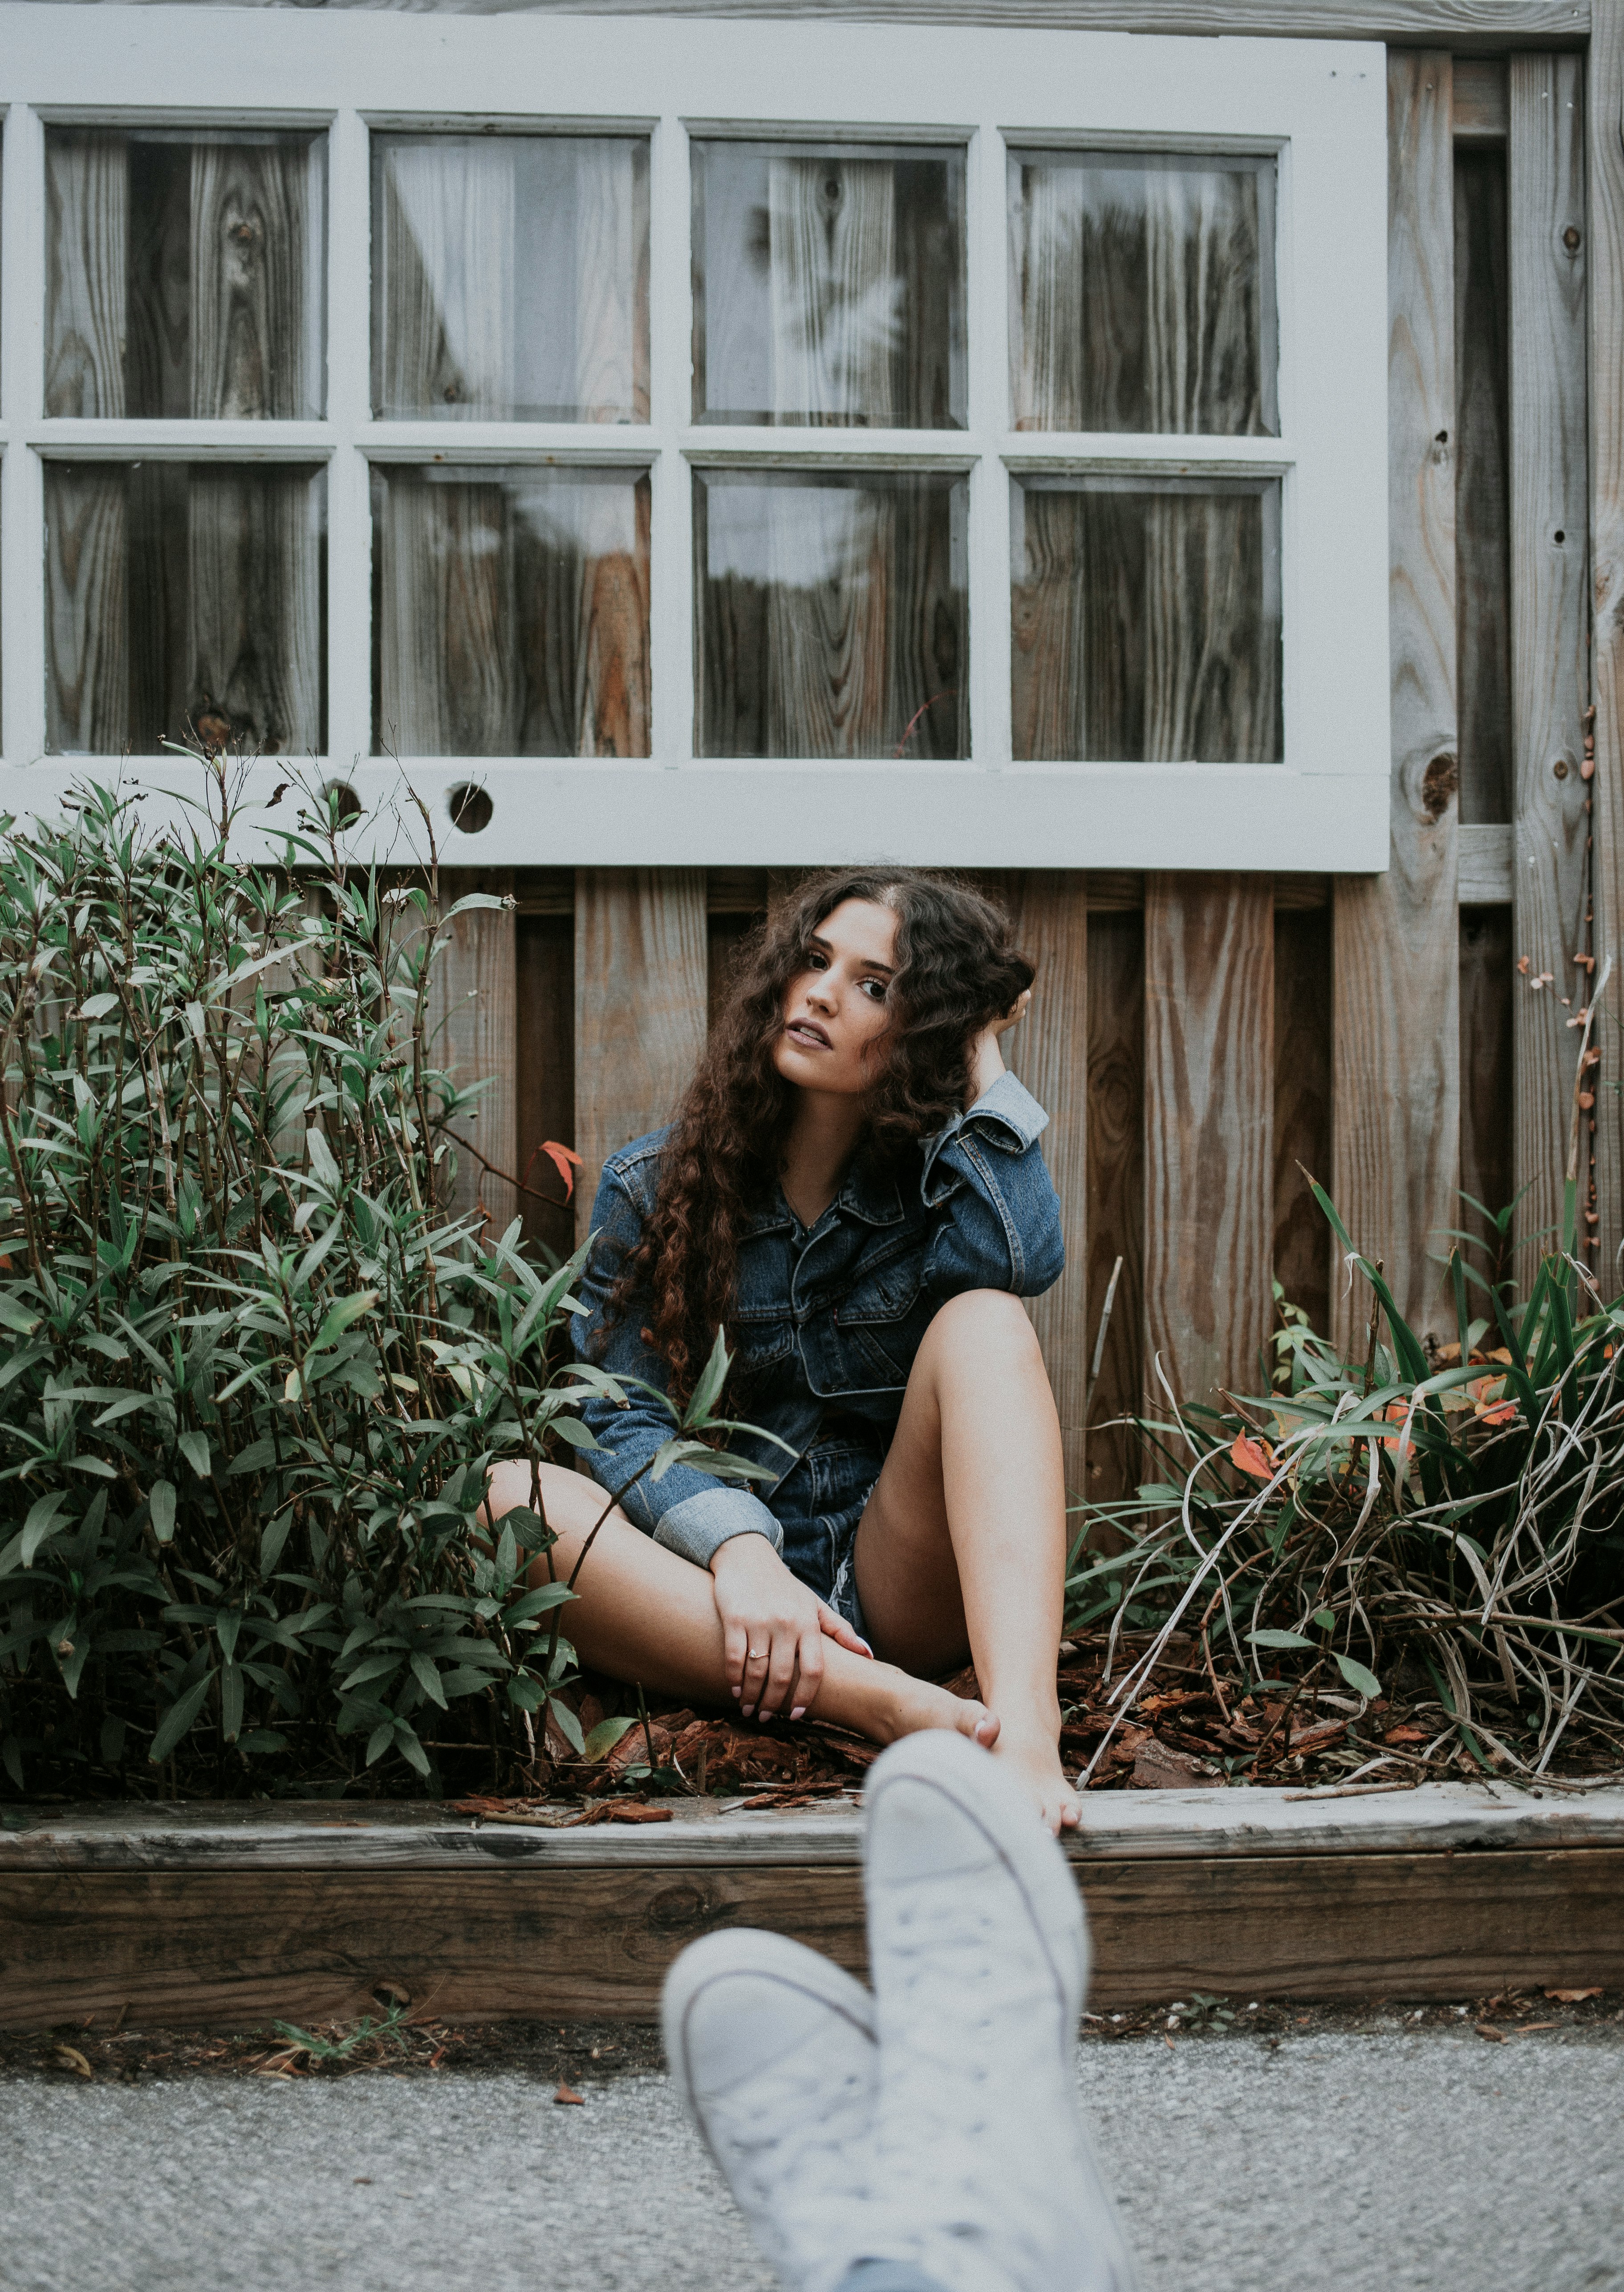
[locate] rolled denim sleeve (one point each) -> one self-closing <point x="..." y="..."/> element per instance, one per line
<point x="996" y="1213"/>
<point x="687" y="1511"/>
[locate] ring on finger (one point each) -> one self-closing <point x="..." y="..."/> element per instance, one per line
<point x="756" y="1654"/>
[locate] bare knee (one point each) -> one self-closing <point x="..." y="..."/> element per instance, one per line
<point x="568" y="1500"/>
<point x="979" y="1324"/>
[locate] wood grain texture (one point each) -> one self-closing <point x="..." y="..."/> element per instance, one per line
<point x="1550" y="616"/>
<point x="1114" y="1222"/>
<point x="640" y="1006"/>
<point x="86" y="230"/>
<point x="544" y="1070"/>
<point x="1481" y="100"/>
<point x="250" y="360"/>
<point x="1050" y="1053"/>
<point x="1604" y="160"/>
<point x="251" y="647"/>
<point x="1487" y="27"/>
<point x="1208" y="1130"/>
<point x="226" y="1947"/>
<point x="1302" y="1254"/>
<point x="1394" y="1147"/>
<point x="474" y="1005"/>
<point x="1488" y="984"/>
<point x="1244" y="1822"/>
<point x="87" y="678"/>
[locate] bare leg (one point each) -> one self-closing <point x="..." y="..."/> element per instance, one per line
<point x="645" y="1614"/>
<point x="962" y="1548"/>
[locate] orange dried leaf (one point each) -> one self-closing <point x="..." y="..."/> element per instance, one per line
<point x="565" y="1160"/>
<point x="1250" y="1455"/>
<point x="568" y="2098"/>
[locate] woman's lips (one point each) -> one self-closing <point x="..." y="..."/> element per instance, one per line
<point x="808" y="1031"/>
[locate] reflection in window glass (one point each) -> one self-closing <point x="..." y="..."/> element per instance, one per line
<point x="833" y="619"/>
<point x="829" y="286"/>
<point x="510" y="277"/>
<point x="1142" y="291"/>
<point x="183" y="274"/>
<point x="1146" y="620"/>
<point x="184" y="601"/>
<point x="510" y="612"/>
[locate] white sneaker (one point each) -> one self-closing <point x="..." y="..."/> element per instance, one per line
<point x="772" y="2047"/>
<point x="978" y="1955"/>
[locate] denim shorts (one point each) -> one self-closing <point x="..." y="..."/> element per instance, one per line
<point x="819" y="1506"/>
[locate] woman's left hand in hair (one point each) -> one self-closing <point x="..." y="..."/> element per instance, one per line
<point x="772" y="1629"/>
<point x="986" y="1057"/>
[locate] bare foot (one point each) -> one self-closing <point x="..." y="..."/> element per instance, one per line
<point x="911" y="1705"/>
<point x="1034" y="1760"/>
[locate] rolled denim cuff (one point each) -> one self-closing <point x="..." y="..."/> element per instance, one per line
<point x="699" y="1526"/>
<point x="1006" y="1105"/>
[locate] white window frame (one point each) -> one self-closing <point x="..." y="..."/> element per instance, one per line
<point x="1321" y="104"/>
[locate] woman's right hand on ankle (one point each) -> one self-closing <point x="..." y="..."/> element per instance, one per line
<point x="772" y="1629"/>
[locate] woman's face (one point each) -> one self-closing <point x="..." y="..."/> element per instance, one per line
<point x="834" y="1010"/>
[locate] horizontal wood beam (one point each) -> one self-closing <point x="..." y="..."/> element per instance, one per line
<point x="234" y="1948"/>
<point x="1468" y="26"/>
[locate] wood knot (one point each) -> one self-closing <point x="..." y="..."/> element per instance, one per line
<point x="1439" y="783"/>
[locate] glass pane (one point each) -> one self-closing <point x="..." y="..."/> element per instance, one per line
<point x="1147" y="620"/>
<point x="510" y="612"/>
<point x="183" y="274"/>
<point x="185" y="600"/>
<point x="1142" y="291"/>
<point x="833" y="618"/>
<point x="830" y="285"/>
<point x="510" y="278"/>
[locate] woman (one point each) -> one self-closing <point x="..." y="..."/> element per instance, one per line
<point x="852" y="1189"/>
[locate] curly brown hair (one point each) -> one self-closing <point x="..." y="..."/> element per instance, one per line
<point x="957" y="967"/>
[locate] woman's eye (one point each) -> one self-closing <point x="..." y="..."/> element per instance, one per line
<point x="874" y="988"/>
<point x="815" y="962"/>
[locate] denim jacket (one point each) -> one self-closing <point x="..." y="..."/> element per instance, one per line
<point x="826" y="1322"/>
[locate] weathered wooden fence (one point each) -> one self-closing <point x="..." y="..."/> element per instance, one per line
<point x="1201" y="1041"/>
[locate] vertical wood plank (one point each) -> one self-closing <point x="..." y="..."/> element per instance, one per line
<point x="1604" y="147"/>
<point x="1115" y="1161"/>
<point x="1208" y="1130"/>
<point x="1302" y="1252"/>
<point x="1549" y="633"/>
<point x="475" y="1002"/>
<point x="640" y="1005"/>
<point x="1396" y="1029"/>
<point x="86" y="235"/>
<point x="1051" y="1055"/>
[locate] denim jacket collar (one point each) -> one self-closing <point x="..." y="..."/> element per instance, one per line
<point x="866" y="1195"/>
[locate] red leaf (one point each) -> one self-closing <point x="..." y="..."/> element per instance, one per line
<point x="562" y="1158"/>
<point x="568" y="2099"/>
<point x="1253" y="1456"/>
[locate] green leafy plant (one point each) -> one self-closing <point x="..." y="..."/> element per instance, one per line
<point x="254" y="1371"/>
<point x="1453" y="1515"/>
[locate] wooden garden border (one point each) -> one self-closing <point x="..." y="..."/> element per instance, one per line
<point x="229" y="1916"/>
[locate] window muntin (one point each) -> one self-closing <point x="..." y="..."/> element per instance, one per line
<point x="1146" y="619"/>
<point x="183" y="274"/>
<point x="510" y="612"/>
<point x="510" y="277"/>
<point x="829" y="285"/>
<point x="832" y="612"/>
<point x="1142" y="291"/>
<point x="185" y="600"/>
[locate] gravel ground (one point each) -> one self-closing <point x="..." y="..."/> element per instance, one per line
<point x="1370" y="2161"/>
